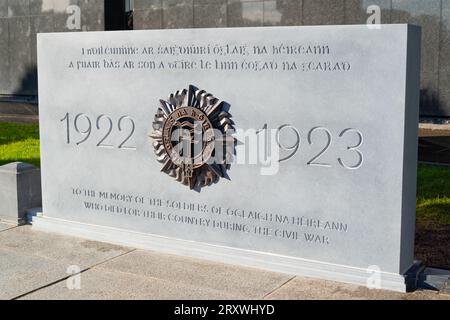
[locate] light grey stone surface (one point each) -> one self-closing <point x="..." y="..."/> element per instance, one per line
<point x="232" y="280"/>
<point x="310" y="289"/>
<point x="20" y="189"/>
<point x="30" y="260"/>
<point x="373" y="204"/>
<point x="432" y="15"/>
<point x="6" y="225"/>
<point x="253" y="259"/>
<point x="149" y="275"/>
<point x="65" y="250"/>
<point x="24" y="273"/>
<point x="111" y="272"/>
<point x="104" y="284"/>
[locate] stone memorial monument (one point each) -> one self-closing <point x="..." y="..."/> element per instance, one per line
<point x="288" y="148"/>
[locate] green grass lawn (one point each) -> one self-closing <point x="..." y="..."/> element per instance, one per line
<point x="433" y="194"/>
<point x="20" y="142"/>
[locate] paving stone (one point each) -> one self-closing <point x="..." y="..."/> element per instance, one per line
<point x="5" y="226"/>
<point x="35" y="265"/>
<point x="23" y="273"/>
<point x="306" y="288"/>
<point x="61" y="249"/>
<point x="232" y="280"/>
<point x="103" y="284"/>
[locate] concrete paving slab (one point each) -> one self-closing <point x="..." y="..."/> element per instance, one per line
<point x="30" y="259"/>
<point x="103" y="284"/>
<point x="23" y="273"/>
<point x="61" y="249"/>
<point x="231" y="280"/>
<point x="305" y="288"/>
<point x="34" y="266"/>
<point x="6" y="226"/>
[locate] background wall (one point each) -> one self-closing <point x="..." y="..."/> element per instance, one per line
<point x="432" y="15"/>
<point x="20" y="20"/>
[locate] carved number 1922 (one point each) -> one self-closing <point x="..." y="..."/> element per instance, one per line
<point x="83" y="126"/>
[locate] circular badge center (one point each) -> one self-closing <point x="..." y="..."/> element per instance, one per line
<point x="188" y="137"/>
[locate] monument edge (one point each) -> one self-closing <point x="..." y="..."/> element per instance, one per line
<point x="410" y="145"/>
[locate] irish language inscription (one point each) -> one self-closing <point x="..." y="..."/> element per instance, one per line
<point x="279" y="57"/>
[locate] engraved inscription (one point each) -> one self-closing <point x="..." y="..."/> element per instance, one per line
<point x="304" y="228"/>
<point x="82" y="125"/>
<point x="314" y="161"/>
<point x="328" y="143"/>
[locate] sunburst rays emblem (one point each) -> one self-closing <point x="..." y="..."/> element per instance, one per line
<point x="192" y="137"/>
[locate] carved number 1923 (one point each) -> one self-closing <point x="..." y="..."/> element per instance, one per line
<point x="312" y="139"/>
<point x="82" y="124"/>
